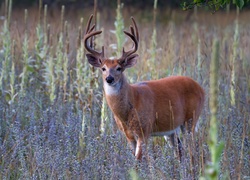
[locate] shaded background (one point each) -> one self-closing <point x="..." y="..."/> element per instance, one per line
<point x="105" y="3"/>
<point x="101" y="3"/>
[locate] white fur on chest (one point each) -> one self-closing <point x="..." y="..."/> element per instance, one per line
<point x="112" y="90"/>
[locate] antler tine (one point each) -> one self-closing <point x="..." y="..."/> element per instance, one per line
<point x="136" y="29"/>
<point x="91" y="29"/>
<point x="88" y="24"/>
<point x="91" y="39"/>
<point x="132" y="30"/>
<point x="134" y="35"/>
<point x="90" y="33"/>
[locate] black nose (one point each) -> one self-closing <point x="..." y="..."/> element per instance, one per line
<point x="109" y="79"/>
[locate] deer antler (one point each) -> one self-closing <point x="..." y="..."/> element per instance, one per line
<point x="89" y="34"/>
<point x="134" y="35"/>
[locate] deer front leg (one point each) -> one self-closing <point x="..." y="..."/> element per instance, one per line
<point x="132" y="143"/>
<point x="138" y="151"/>
<point x="131" y="139"/>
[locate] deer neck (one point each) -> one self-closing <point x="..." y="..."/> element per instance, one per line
<point x="119" y="98"/>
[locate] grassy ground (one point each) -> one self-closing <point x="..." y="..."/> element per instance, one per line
<point x="55" y="125"/>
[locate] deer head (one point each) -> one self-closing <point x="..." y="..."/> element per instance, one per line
<point x="111" y="69"/>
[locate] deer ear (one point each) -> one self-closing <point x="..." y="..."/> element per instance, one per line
<point x="129" y="61"/>
<point x="94" y="61"/>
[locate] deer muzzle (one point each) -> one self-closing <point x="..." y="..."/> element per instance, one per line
<point x="110" y="80"/>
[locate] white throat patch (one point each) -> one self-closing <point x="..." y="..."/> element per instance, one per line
<point x="111" y="90"/>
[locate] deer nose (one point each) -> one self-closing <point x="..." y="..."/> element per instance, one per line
<point x="109" y="79"/>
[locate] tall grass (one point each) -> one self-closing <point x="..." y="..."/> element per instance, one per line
<point x="234" y="58"/>
<point x="51" y="102"/>
<point x="26" y="58"/>
<point x="119" y="27"/>
<point x="153" y="45"/>
<point x="6" y="56"/>
<point x="213" y="169"/>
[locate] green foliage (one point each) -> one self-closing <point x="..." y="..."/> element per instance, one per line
<point x="240" y="3"/>
<point x="213" y="168"/>
<point x="81" y="67"/>
<point x="26" y="61"/>
<point x="233" y="60"/>
<point x="133" y="175"/>
<point x="214" y="4"/>
<point x="5" y="56"/>
<point x="49" y="77"/>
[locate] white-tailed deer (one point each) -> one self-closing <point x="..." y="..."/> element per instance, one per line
<point x="149" y="108"/>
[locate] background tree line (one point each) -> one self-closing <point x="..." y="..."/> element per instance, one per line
<point x="184" y="4"/>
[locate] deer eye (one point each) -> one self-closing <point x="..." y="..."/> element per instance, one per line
<point x="119" y="69"/>
<point x="103" y="69"/>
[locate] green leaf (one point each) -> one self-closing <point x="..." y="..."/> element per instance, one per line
<point x="30" y="69"/>
<point x="7" y="97"/>
<point x="218" y="152"/>
<point x="239" y="3"/>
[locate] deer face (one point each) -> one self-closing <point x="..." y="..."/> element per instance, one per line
<point x="112" y="69"/>
<point x="111" y="72"/>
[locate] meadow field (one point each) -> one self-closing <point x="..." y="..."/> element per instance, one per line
<point x="55" y="123"/>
